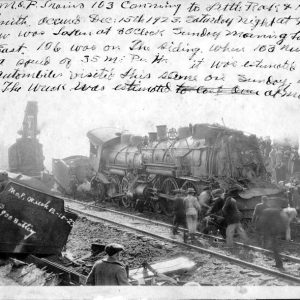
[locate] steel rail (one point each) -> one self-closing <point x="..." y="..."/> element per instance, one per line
<point x="207" y="236"/>
<point x="200" y="249"/>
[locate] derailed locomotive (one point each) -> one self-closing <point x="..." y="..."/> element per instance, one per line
<point x="154" y="167"/>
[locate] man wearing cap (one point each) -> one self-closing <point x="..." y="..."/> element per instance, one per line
<point x="109" y="271"/>
<point x="215" y="212"/>
<point x="232" y="217"/>
<point x="192" y="208"/>
<point x="179" y="213"/>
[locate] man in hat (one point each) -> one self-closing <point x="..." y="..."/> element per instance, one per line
<point x="215" y="212"/>
<point x="109" y="271"/>
<point x="192" y="208"/>
<point x="179" y="213"/>
<point x="232" y="217"/>
<point x="272" y="223"/>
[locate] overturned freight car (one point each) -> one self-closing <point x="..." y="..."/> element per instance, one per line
<point x="155" y="166"/>
<point x="32" y="220"/>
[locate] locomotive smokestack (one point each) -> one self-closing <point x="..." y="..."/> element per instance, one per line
<point x="161" y="132"/>
<point x="152" y="136"/>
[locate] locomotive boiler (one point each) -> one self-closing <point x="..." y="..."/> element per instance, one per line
<point x="155" y="166"/>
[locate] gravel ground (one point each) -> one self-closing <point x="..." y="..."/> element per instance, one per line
<point x="209" y="270"/>
<point x="238" y="252"/>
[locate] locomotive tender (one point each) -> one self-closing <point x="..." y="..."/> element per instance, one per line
<point x="155" y="166"/>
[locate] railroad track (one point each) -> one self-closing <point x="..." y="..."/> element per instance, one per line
<point x="160" y="230"/>
<point x="199" y="234"/>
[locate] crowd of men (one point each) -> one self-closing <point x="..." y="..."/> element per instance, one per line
<point x="214" y="206"/>
<point x="281" y="159"/>
<point x="190" y="211"/>
<point x="219" y="207"/>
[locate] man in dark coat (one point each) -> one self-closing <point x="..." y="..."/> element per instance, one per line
<point x="215" y="213"/>
<point x="272" y="224"/>
<point x="179" y="214"/>
<point x="109" y="271"/>
<point x="232" y="217"/>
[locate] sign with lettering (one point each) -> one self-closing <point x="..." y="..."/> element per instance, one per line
<point x="32" y="221"/>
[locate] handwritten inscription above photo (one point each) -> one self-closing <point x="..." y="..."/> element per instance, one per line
<point x="240" y="48"/>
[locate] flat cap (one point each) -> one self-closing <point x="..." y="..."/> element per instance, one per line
<point x="113" y="248"/>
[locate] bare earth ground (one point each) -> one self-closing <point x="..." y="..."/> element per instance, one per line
<point x="209" y="270"/>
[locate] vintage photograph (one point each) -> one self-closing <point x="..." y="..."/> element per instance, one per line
<point x="149" y="144"/>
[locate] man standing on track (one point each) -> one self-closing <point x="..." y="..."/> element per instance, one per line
<point x="215" y="212"/>
<point x="233" y="219"/>
<point x="192" y="208"/>
<point x="109" y="271"/>
<point x="179" y="214"/>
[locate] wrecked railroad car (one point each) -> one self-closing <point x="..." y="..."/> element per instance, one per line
<point x="155" y="166"/>
<point x="71" y="168"/>
<point x="32" y="220"/>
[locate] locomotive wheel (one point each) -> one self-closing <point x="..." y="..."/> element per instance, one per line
<point x="189" y="184"/>
<point x="124" y="189"/>
<point x="155" y="204"/>
<point x="168" y="186"/>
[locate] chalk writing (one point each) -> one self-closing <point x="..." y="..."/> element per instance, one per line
<point x="45" y="205"/>
<point x="17" y="222"/>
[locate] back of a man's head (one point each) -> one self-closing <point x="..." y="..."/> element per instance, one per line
<point x="113" y="248"/>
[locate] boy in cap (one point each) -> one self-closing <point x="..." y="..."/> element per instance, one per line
<point x="109" y="271"/>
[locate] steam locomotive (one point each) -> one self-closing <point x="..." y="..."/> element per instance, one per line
<point x="154" y="167"/>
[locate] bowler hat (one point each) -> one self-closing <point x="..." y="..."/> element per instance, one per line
<point x="113" y="248"/>
<point x="190" y="191"/>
